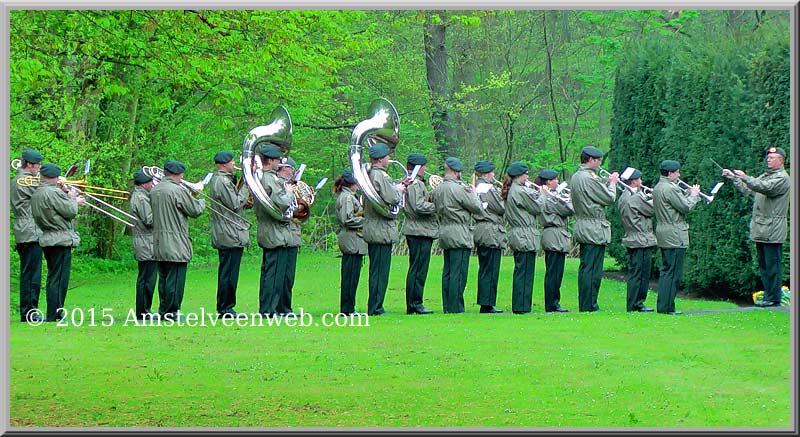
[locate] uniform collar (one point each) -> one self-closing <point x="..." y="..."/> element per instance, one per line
<point x="585" y="168"/>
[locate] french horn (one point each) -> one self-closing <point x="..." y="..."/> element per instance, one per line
<point x="382" y="126"/>
<point x="278" y="132"/>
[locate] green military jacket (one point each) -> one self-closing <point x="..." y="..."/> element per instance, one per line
<point x="273" y="233"/>
<point x="224" y="233"/>
<point x="490" y="230"/>
<point x="377" y="228"/>
<point x="455" y="205"/>
<point x="53" y="211"/>
<point x="590" y="195"/>
<point x="523" y="206"/>
<point x="554" y="220"/>
<point x="671" y="206"/>
<point x="25" y="229"/>
<point x="637" y="219"/>
<point x="770" y="205"/>
<point x="139" y="204"/>
<point x="350" y="223"/>
<point x="172" y="204"/>
<point x="421" y="219"/>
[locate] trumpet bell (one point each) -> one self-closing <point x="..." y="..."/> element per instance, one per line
<point x="434" y="180"/>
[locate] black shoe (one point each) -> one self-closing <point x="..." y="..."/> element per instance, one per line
<point x="645" y="310"/>
<point x="671" y="313"/>
<point x="521" y="312"/>
<point x="421" y="310"/>
<point x="558" y="310"/>
<point x="489" y="309"/>
<point x="766" y="303"/>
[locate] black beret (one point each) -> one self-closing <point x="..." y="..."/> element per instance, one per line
<point x="548" y="174"/>
<point x="140" y="178"/>
<point x="347" y="176"/>
<point x="32" y="156"/>
<point x="484" y="166"/>
<point x="288" y="162"/>
<point x="417" y="159"/>
<point x="454" y="164"/>
<point x="50" y="171"/>
<point x="517" y="168"/>
<point x="669" y="165"/>
<point x="592" y="151"/>
<point x="378" y="151"/>
<point x="635" y="175"/>
<point x="174" y="167"/>
<point x="223" y="157"/>
<point x="270" y="151"/>
<point x="773" y="149"/>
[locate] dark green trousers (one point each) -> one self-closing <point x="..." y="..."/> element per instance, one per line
<point x="590" y="274"/>
<point x="273" y="279"/>
<point x="454" y="279"/>
<point x="285" y="300"/>
<point x="146" y="286"/>
<point x="30" y="277"/>
<point x="639" y="264"/>
<point x="488" y="275"/>
<point x="171" y="283"/>
<point x="522" y="287"/>
<point x="419" y="258"/>
<point x="553" y="275"/>
<point x="228" y="278"/>
<point x="59" y="263"/>
<point x="669" y="278"/>
<point x="351" y="271"/>
<point x="769" y="265"/>
<point x="380" y="261"/>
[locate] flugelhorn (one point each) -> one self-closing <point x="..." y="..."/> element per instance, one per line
<point x="196" y="189"/>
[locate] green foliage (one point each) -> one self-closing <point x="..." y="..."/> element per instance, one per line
<point x="727" y="100"/>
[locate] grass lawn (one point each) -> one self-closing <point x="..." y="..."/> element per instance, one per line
<point x="542" y="370"/>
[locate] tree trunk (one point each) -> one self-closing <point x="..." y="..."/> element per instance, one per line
<point x="438" y="81"/>
<point x="561" y="151"/>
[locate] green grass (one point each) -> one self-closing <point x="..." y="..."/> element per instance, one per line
<point x="600" y="370"/>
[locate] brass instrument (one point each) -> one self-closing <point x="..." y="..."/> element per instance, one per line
<point x="708" y="198"/>
<point x="89" y="196"/>
<point x="604" y="174"/>
<point x="33" y="181"/>
<point x="196" y="189"/>
<point x="383" y="125"/>
<point x="434" y="180"/>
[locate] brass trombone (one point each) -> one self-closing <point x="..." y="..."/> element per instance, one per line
<point x="196" y="188"/>
<point x="92" y="197"/>
<point x="33" y="181"/>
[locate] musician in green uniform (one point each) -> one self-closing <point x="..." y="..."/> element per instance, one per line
<point x="523" y="206"/>
<point x="768" y="224"/>
<point x="489" y="236"/>
<point x="172" y="205"/>
<point x="671" y="205"/>
<point x="350" y="217"/>
<point x="455" y="202"/>
<point x="273" y="233"/>
<point x="230" y="236"/>
<point x="53" y="211"/>
<point x="556" y="210"/>
<point x="590" y="194"/>
<point x="26" y="237"/>
<point x="286" y="170"/>
<point x="380" y="231"/>
<point x="139" y="204"/>
<point x="636" y="211"/>
<point x="421" y="227"/>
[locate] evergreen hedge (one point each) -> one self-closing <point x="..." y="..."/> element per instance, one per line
<point x="727" y="101"/>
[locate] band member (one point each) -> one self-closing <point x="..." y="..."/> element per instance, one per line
<point x="53" y="210"/>
<point x="380" y="232"/>
<point x="590" y="194"/>
<point x="523" y="206"/>
<point x="143" y="243"/>
<point x="172" y="205"/>
<point x="420" y="228"/>
<point x="672" y="232"/>
<point x="555" y="239"/>
<point x="273" y="234"/>
<point x="286" y="171"/>
<point x="228" y="238"/>
<point x="350" y="216"/>
<point x="455" y="202"/>
<point x="489" y="237"/>
<point x="636" y="211"/>
<point x="770" y="192"/>
<point x="26" y="236"/>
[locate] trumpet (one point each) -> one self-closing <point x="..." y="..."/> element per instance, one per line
<point x="561" y="193"/>
<point x="708" y="198"/>
<point x="605" y="175"/>
<point x="196" y="188"/>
